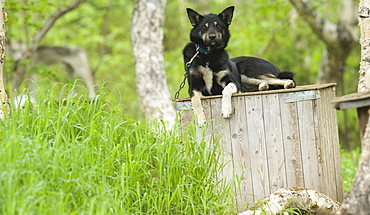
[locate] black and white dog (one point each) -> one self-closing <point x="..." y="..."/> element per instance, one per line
<point x="211" y="72"/>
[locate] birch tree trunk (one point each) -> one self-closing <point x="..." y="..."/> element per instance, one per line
<point x="358" y="200"/>
<point x="3" y="95"/>
<point x="146" y="39"/>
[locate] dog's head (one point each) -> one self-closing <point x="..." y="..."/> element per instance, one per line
<point x="211" y="31"/>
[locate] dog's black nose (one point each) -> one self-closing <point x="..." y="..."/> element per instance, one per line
<point x="212" y="36"/>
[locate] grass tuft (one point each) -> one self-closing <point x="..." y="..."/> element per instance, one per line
<point x="70" y="155"/>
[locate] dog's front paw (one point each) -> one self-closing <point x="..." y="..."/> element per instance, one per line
<point x="263" y="86"/>
<point x="289" y="84"/>
<point x="227" y="111"/>
<point x="201" y="118"/>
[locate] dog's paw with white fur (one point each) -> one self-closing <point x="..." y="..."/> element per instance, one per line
<point x="289" y="84"/>
<point x="263" y="86"/>
<point x="227" y="110"/>
<point x="201" y="119"/>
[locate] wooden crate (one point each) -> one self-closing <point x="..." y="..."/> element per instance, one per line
<point x="276" y="139"/>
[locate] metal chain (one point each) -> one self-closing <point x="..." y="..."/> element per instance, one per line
<point x="181" y="85"/>
<point x="186" y="73"/>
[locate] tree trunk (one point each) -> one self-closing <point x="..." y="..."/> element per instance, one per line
<point x="358" y="200"/>
<point x="146" y="39"/>
<point x="3" y="95"/>
<point x="338" y="38"/>
<point x="332" y="68"/>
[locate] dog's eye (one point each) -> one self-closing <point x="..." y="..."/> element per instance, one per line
<point x="218" y="26"/>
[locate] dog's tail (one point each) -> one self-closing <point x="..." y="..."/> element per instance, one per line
<point x="286" y="75"/>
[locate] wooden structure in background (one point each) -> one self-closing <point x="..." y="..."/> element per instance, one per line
<point x="360" y="101"/>
<point x="275" y="139"/>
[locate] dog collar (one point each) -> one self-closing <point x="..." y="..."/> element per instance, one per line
<point x="201" y="50"/>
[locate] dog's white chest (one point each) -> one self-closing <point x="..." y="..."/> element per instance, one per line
<point x="207" y="75"/>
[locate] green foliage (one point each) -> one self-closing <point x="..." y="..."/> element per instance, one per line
<point x="86" y="157"/>
<point x="267" y="29"/>
<point x="350" y="161"/>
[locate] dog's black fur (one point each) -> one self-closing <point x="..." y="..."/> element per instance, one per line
<point x="259" y="69"/>
<point x="211" y="72"/>
<point x="210" y="36"/>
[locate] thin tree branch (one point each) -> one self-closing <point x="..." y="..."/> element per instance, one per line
<point x="51" y="21"/>
<point x="104" y="32"/>
<point x="324" y="29"/>
<point x="39" y="35"/>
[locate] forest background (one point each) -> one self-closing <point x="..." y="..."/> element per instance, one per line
<point x="272" y="30"/>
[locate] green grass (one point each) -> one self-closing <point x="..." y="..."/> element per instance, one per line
<point x="350" y="161"/>
<point x="90" y="158"/>
<point x="81" y="157"/>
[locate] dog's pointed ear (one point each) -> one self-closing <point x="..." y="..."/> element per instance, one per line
<point x="194" y="17"/>
<point x="227" y="15"/>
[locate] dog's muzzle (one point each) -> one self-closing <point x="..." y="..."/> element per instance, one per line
<point x="212" y="39"/>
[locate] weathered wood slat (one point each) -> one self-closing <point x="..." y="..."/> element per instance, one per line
<point x="274" y="141"/>
<point x="257" y="146"/>
<point x="333" y="141"/>
<point x="291" y="140"/>
<point x="221" y="129"/>
<point x="321" y="134"/>
<point x="310" y="157"/>
<point x="239" y="141"/>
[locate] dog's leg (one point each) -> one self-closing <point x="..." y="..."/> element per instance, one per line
<point x="227" y="92"/>
<point x="262" y="84"/>
<point x="271" y="80"/>
<point x="197" y="107"/>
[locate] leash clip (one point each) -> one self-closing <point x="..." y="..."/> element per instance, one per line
<point x="192" y="59"/>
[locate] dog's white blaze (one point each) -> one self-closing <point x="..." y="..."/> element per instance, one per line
<point x="220" y="75"/>
<point x="227" y="92"/>
<point x="207" y="77"/>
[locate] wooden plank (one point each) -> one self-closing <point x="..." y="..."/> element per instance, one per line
<point x="308" y="145"/>
<point x="257" y="146"/>
<point x="222" y="132"/>
<point x="241" y="157"/>
<point x="354" y="100"/>
<point x="351" y="97"/>
<point x="274" y="141"/>
<point x="334" y="143"/>
<point x="352" y="104"/>
<point x="324" y="154"/>
<point x="296" y="89"/>
<point x="291" y="141"/>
